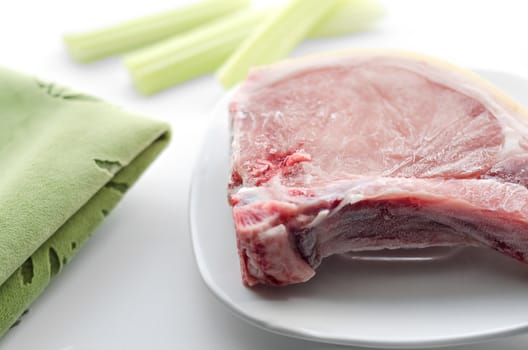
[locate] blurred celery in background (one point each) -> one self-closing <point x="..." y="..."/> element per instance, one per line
<point x="229" y="37"/>
<point x="127" y="36"/>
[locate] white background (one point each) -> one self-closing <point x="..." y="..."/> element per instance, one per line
<point x="135" y="284"/>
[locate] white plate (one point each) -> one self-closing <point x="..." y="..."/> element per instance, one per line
<point x="473" y="296"/>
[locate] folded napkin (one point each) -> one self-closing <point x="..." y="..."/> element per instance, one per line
<point x="66" y="159"/>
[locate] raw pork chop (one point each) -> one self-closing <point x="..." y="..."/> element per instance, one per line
<point x="372" y="150"/>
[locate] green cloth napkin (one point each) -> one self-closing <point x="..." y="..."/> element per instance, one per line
<point x="66" y="159"/>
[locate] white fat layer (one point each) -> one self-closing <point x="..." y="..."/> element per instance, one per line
<point x="274" y="231"/>
<point x="349" y="198"/>
<point x="512" y="142"/>
<point x="319" y="218"/>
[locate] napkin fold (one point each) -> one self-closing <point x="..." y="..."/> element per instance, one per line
<point x="66" y="159"/>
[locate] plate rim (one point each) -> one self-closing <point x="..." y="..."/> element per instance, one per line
<point x="219" y="294"/>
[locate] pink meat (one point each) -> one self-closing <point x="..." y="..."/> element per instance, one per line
<point x="372" y="151"/>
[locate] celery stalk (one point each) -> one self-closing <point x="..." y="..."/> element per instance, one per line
<point x="275" y="37"/>
<point x="191" y="54"/>
<point x="349" y="16"/>
<point x="90" y="46"/>
<point x="204" y="49"/>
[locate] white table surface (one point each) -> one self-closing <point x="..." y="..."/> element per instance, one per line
<point x="151" y="296"/>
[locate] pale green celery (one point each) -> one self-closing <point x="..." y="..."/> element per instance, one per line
<point x="191" y="54"/>
<point x="127" y="36"/>
<point x="203" y="50"/>
<point x="275" y="37"/>
<point x="349" y="16"/>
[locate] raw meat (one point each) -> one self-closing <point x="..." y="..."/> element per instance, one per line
<point x="372" y="150"/>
